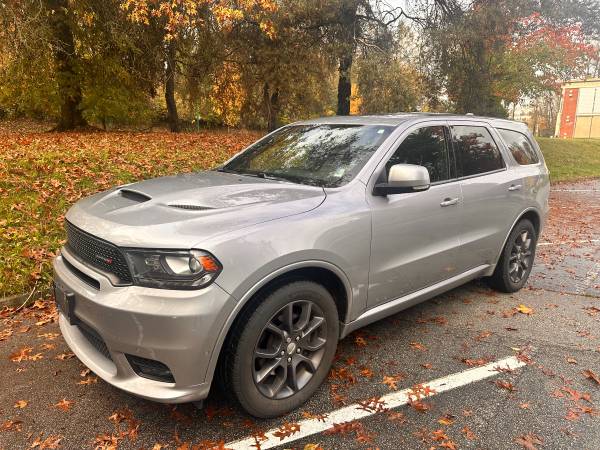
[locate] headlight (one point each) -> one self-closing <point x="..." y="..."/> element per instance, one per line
<point x="172" y="269"/>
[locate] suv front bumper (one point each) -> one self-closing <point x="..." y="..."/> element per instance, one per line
<point x="176" y="328"/>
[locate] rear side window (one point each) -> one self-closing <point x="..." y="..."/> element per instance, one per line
<point x="424" y="147"/>
<point x="520" y="147"/>
<point x="476" y="151"/>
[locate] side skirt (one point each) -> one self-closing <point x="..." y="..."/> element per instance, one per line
<point x="395" y="306"/>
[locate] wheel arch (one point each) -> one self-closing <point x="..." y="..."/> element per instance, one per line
<point x="534" y="216"/>
<point x="328" y="275"/>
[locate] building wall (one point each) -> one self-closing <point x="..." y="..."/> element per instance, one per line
<point x="580" y="110"/>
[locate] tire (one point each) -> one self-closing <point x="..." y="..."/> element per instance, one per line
<point x="504" y="278"/>
<point x="266" y="387"/>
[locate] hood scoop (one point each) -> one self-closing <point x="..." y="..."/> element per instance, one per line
<point x="191" y="207"/>
<point x="134" y="196"/>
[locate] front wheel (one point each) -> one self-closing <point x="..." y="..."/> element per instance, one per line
<point x="517" y="257"/>
<point x="284" y="350"/>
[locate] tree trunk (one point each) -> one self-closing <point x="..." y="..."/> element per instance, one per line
<point x="271" y="101"/>
<point x="344" y="85"/>
<point x="172" y="115"/>
<point x="348" y="26"/>
<point x="65" y="58"/>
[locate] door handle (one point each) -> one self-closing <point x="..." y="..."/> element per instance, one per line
<point x="515" y="187"/>
<point x="449" y="202"/>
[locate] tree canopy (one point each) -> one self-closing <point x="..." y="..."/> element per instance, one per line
<point x="261" y="63"/>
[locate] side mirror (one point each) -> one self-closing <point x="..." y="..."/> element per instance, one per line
<point x="404" y="178"/>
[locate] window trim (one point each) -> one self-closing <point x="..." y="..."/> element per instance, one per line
<point x="539" y="160"/>
<point x="488" y="128"/>
<point x="396" y="145"/>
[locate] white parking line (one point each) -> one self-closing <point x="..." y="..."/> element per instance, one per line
<point x="583" y="241"/>
<point x="356" y="411"/>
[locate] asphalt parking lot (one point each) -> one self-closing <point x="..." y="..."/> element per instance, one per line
<point x="434" y="376"/>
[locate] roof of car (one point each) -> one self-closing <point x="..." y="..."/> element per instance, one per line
<point x="398" y="118"/>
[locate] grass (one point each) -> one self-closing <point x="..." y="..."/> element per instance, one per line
<point x="571" y="159"/>
<point x="42" y="174"/>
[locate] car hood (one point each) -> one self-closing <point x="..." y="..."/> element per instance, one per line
<point x="184" y="210"/>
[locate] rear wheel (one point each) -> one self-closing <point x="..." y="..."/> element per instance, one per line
<point x="517" y="257"/>
<point x="284" y="349"/>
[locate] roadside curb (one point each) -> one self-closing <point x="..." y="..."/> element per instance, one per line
<point x="13" y="300"/>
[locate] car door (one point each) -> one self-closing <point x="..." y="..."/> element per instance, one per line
<point x="415" y="236"/>
<point x="492" y="192"/>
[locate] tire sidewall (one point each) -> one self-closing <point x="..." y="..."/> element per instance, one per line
<point x="523" y="225"/>
<point x="251" y="399"/>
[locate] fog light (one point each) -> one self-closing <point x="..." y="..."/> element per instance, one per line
<point x="151" y="369"/>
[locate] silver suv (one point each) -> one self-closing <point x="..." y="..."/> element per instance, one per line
<point x="255" y="270"/>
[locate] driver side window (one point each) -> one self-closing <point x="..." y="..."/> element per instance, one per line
<point x="425" y="147"/>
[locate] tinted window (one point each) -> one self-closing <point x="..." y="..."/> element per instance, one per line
<point x="320" y="155"/>
<point x="519" y="146"/>
<point x="476" y="150"/>
<point x="424" y="147"/>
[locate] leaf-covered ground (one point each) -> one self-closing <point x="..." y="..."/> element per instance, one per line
<point x="42" y="174"/>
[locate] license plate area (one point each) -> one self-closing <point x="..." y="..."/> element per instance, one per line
<point x="65" y="301"/>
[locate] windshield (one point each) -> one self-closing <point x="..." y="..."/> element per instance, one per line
<point x="319" y="155"/>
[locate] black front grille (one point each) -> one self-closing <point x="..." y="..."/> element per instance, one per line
<point x="94" y="338"/>
<point x="97" y="253"/>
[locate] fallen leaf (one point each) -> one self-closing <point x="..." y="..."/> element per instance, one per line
<point x="505" y="385"/>
<point x="51" y="442"/>
<point x="286" y="430"/>
<point x="64" y="404"/>
<point x="447" y="419"/>
<point x="469" y="435"/>
<point x="418" y="346"/>
<point x="524" y="310"/>
<point x="21" y="404"/>
<point x="529" y="441"/>
<point x="591" y="375"/>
